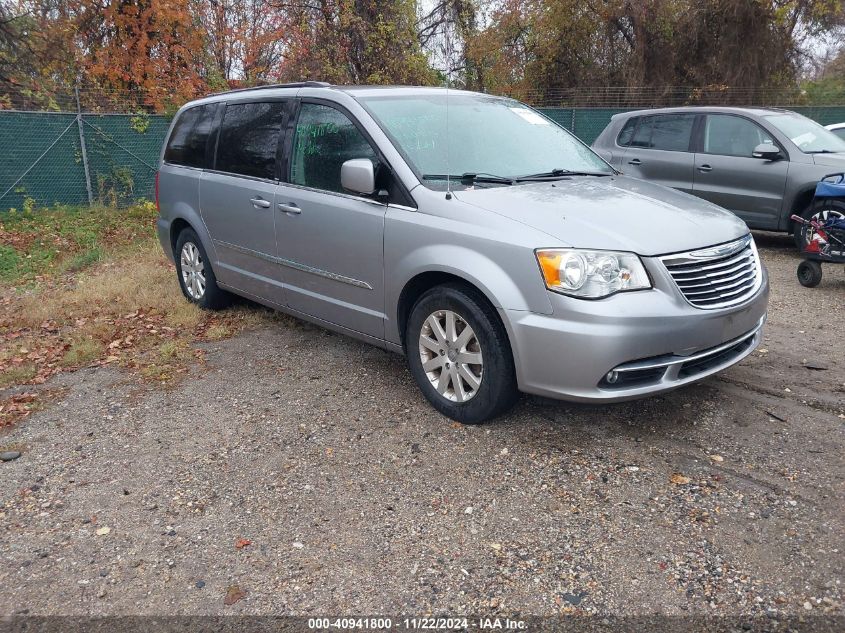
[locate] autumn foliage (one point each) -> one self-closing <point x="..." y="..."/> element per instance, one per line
<point x="153" y="55"/>
<point x="157" y="54"/>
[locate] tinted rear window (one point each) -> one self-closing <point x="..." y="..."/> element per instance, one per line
<point x="670" y="132"/>
<point x="249" y="139"/>
<point x="189" y="139"/>
<point x="627" y="133"/>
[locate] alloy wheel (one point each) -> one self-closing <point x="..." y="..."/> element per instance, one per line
<point x="193" y="271"/>
<point x="451" y="355"/>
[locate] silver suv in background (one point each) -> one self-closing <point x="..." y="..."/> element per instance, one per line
<point x="761" y="163"/>
<point x="838" y="129"/>
<point x="467" y="231"/>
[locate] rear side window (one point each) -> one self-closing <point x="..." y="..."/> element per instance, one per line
<point x="627" y="133"/>
<point x="669" y="132"/>
<point x="840" y="132"/>
<point x="189" y="139"/>
<point x="249" y="139"/>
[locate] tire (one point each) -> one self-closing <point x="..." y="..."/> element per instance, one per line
<point x="824" y="210"/>
<point x="809" y="273"/>
<point x="196" y="278"/>
<point x="472" y="392"/>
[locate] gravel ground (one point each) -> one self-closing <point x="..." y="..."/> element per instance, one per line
<point x="303" y="473"/>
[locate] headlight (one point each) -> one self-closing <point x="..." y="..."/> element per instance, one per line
<point x="591" y="274"/>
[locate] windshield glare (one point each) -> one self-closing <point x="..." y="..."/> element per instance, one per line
<point x="488" y="135"/>
<point x="809" y="136"/>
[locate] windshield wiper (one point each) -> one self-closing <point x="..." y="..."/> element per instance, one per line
<point x="822" y="151"/>
<point x="468" y="178"/>
<point x="559" y="173"/>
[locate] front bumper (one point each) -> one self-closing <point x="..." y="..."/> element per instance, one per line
<point x="653" y="339"/>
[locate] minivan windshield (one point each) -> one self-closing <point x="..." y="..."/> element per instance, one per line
<point x="479" y="140"/>
<point x="809" y="136"/>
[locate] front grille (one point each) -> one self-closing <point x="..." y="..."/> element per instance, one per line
<point x="719" y="276"/>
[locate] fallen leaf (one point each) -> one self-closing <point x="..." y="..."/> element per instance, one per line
<point x="103" y="531"/>
<point x="242" y="543"/>
<point x="717" y="458"/>
<point x="233" y="594"/>
<point x="679" y="480"/>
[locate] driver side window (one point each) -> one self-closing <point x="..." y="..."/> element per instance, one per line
<point x="325" y="138"/>
<point x="733" y="136"/>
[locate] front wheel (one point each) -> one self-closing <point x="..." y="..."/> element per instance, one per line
<point x="459" y="354"/>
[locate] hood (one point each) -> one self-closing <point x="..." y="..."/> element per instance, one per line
<point x="830" y="160"/>
<point x="612" y="213"/>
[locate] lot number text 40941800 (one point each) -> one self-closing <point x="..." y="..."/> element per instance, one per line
<point x="424" y="624"/>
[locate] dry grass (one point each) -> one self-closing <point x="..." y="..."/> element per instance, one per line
<point x="82" y="352"/>
<point x="18" y="374"/>
<point x="122" y="308"/>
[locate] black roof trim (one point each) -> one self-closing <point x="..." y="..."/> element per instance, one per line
<point x="296" y="84"/>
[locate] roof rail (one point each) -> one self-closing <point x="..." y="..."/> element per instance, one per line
<point x="295" y="84"/>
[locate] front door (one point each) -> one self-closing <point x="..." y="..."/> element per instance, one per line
<point x="727" y="174"/>
<point x="330" y="240"/>
<point x="237" y="199"/>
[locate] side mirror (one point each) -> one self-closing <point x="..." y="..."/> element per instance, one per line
<point x="767" y="151"/>
<point x="358" y="175"/>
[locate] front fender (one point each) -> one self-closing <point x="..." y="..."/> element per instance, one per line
<point x="510" y="281"/>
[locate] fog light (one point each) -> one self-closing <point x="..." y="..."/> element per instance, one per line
<point x="612" y="377"/>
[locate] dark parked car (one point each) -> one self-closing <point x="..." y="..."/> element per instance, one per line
<point x="761" y="163"/>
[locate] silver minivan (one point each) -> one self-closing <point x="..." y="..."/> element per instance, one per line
<point x="467" y="231"/>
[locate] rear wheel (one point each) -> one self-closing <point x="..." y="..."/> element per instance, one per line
<point x="196" y="278"/>
<point x="803" y="234"/>
<point x="809" y="273"/>
<point x="459" y="354"/>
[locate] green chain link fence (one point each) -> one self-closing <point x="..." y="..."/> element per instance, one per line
<point x="43" y="163"/>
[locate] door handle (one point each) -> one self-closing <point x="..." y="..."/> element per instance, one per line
<point x="290" y="207"/>
<point x="705" y="168"/>
<point x="260" y="203"/>
<point x="636" y="161"/>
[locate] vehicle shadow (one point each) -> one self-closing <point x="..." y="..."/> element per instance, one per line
<point x="775" y="241"/>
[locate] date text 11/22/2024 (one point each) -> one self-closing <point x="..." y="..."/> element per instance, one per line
<point x="432" y="624"/>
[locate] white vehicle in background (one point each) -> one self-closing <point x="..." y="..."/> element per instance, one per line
<point x="838" y="129"/>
